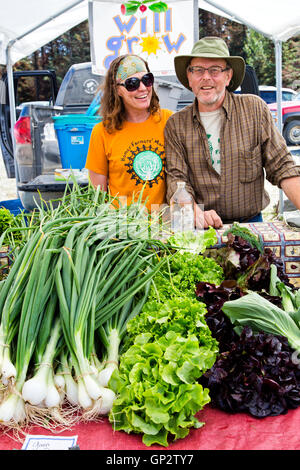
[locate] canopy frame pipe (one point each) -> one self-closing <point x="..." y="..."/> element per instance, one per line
<point x="278" y="62"/>
<point x="196" y="20"/>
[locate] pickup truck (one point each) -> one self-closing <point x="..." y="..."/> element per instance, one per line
<point x="290" y="119"/>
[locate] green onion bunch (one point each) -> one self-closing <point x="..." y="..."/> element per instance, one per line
<point x="83" y="269"/>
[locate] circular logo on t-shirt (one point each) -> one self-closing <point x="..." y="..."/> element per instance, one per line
<point x="144" y="161"/>
<point x="147" y="165"/>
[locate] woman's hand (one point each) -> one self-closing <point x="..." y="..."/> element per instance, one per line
<point x="98" y="180"/>
<point x="205" y="219"/>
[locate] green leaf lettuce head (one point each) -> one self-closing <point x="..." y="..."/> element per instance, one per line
<point x="188" y="269"/>
<point x="182" y="315"/>
<point x="158" y="392"/>
<point x="194" y="242"/>
<point x="180" y="276"/>
<point x="168" y="346"/>
<point x="6" y="219"/>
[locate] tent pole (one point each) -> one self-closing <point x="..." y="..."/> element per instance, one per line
<point x="196" y="20"/>
<point x="12" y="103"/>
<point x="278" y="63"/>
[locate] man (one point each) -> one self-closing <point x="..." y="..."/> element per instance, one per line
<point x="224" y="143"/>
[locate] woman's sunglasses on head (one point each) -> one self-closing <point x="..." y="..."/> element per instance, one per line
<point x="133" y="83"/>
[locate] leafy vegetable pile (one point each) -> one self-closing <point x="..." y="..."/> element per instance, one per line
<point x="9" y="234"/>
<point x="10" y="224"/>
<point x="6" y="219"/>
<point x="256" y="375"/>
<point x="255" y="318"/>
<point x="167" y="349"/>
<point x="245" y="261"/>
<point x="96" y="319"/>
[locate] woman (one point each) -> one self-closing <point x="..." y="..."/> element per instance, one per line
<point x="126" y="151"/>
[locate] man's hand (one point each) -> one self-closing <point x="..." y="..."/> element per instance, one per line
<point x="205" y="219"/>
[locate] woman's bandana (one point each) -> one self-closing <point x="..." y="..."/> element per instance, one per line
<point x="129" y="66"/>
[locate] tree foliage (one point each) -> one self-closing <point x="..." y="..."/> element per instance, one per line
<point x="260" y="54"/>
<point x="70" y="48"/>
<point x="233" y="33"/>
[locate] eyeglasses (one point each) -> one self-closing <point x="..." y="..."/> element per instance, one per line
<point x="133" y="83"/>
<point x="214" y="71"/>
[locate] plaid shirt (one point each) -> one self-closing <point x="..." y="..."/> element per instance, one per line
<point x="251" y="148"/>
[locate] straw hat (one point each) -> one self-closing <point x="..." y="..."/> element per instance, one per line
<point x="216" y="48"/>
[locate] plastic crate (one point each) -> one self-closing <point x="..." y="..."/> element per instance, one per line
<point x="13" y="205"/>
<point x="73" y="134"/>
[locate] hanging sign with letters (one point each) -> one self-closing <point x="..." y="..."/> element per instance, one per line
<point x="156" y="37"/>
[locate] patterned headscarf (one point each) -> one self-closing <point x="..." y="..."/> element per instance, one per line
<point x="129" y="66"/>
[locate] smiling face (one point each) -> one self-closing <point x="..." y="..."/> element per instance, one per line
<point x="210" y="91"/>
<point x="137" y="101"/>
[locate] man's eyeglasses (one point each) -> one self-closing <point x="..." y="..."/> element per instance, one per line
<point x="214" y="71"/>
<point x="133" y="83"/>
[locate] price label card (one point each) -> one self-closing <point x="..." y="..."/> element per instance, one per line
<point x="41" y="442"/>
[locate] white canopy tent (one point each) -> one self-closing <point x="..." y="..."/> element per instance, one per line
<point x="27" y="26"/>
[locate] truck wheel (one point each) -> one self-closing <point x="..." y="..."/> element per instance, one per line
<point x="291" y="133"/>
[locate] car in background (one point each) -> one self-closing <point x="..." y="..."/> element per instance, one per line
<point x="290" y="119"/>
<point x="268" y="94"/>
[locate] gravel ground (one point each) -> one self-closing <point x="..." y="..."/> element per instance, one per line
<point x="7" y="185"/>
<point x="8" y="192"/>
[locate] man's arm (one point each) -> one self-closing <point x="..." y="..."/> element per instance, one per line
<point x="278" y="162"/>
<point x="291" y="188"/>
<point x="177" y="168"/>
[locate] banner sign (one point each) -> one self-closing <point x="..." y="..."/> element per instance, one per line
<point x="156" y="37"/>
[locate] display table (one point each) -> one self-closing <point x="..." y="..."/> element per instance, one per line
<point x="222" y="431"/>
<point x="282" y="239"/>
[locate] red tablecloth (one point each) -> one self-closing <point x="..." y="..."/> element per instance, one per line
<point x="222" y="431"/>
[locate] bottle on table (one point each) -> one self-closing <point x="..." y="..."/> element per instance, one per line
<point x="182" y="209"/>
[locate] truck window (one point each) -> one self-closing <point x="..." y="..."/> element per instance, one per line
<point x="35" y="88"/>
<point x="78" y="88"/>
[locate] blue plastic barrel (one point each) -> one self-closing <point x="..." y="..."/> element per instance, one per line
<point x="73" y="134"/>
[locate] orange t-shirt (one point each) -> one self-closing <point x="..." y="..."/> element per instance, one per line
<point x="133" y="158"/>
